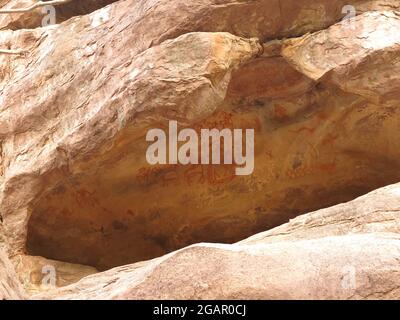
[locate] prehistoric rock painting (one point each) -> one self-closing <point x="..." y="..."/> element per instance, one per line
<point x="78" y="98"/>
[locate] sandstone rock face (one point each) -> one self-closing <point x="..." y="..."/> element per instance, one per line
<point x="55" y="147"/>
<point x="360" y="65"/>
<point x="37" y="274"/>
<point x="41" y="15"/>
<point x="202" y="82"/>
<point x="376" y="212"/>
<point x="76" y="101"/>
<point x="326" y="254"/>
<point x="10" y="288"/>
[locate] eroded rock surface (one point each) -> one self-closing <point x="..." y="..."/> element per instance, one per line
<point x="202" y="74"/>
<point x="42" y="16"/>
<point x="10" y="288"/>
<point x="75" y="183"/>
<point x="350" y="251"/>
<point x="376" y="212"/>
<point x="75" y="107"/>
<point x="37" y="274"/>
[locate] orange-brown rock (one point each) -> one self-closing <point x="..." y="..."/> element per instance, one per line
<point x="41" y="16"/>
<point x="349" y="251"/>
<point x="188" y="77"/>
<point x="74" y="110"/>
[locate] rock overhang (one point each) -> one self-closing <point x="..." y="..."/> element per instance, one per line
<point x="97" y="202"/>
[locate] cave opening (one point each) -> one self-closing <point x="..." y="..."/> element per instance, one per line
<point x="310" y="153"/>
